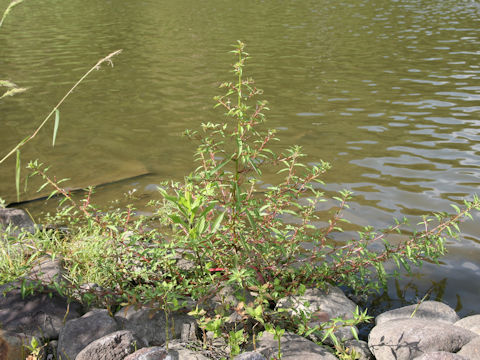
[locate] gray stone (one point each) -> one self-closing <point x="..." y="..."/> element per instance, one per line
<point x="13" y="346"/>
<point x="78" y="333"/>
<point x="323" y="305"/>
<point x="361" y="349"/>
<point x="408" y="338"/>
<point x="441" y="355"/>
<point x="471" y="323"/>
<point x="251" y="355"/>
<point x="427" y="310"/>
<point x="113" y="346"/>
<point x="342" y="334"/>
<point x="292" y="347"/>
<point x="150" y="353"/>
<point x="326" y="304"/>
<point x="232" y="296"/>
<point x="16" y="218"/>
<point x="179" y="352"/>
<point x="40" y="315"/>
<point x="471" y="350"/>
<point x="47" y="271"/>
<point x="150" y="324"/>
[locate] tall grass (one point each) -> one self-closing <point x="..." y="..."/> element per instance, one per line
<point x="13" y="89"/>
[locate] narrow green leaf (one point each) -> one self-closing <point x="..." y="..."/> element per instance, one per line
<point x="12" y="4"/>
<point x="251" y="221"/>
<point x="177" y="220"/>
<point x="55" y="126"/>
<point x="17" y="175"/>
<point x="457" y="209"/>
<point x="221" y="166"/>
<point x="217" y="222"/>
<point x="53" y="193"/>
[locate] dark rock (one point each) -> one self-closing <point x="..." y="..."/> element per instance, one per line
<point x="16" y="218"/>
<point x="292" y="347"/>
<point x="427" y="310"/>
<point x="113" y="346"/>
<point x="471" y="323"/>
<point x="150" y="325"/>
<point x="471" y="350"/>
<point x="78" y="333"/>
<point x="408" y="338"/>
<point x="40" y="315"/>
<point x="50" y="351"/>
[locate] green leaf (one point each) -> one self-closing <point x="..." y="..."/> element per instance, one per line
<point x="251" y="221"/>
<point x="55" y="126"/>
<point x="457" y="209"/>
<point x="17" y="175"/>
<point x="354" y="332"/>
<point x="221" y="165"/>
<point x="217" y="222"/>
<point x="13" y="3"/>
<point x="177" y="220"/>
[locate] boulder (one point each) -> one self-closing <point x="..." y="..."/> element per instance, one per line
<point x="176" y="351"/>
<point x="427" y="310"/>
<point x="323" y="305"/>
<point x="41" y="314"/>
<point x="405" y="339"/>
<point x="113" y="346"/>
<point x="471" y="350"/>
<point x="150" y="325"/>
<point x="292" y="347"/>
<point x="78" y="333"/>
<point x="13" y="346"/>
<point x="250" y="355"/>
<point x="330" y="303"/>
<point x="47" y="271"/>
<point x="361" y="349"/>
<point x="16" y="218"/>
<point x="179" y="352"/>
<point x="471" y="323"/>
<point x="231" y="295"/>
<point x="150" y="353"/>
<point x="441" y="355"/>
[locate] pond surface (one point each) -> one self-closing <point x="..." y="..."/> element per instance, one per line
<point x="386" y="91"/>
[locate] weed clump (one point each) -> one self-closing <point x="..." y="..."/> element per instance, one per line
<point x="228" y="230"/>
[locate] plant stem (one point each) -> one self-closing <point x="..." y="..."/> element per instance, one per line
<point x="108" y="59"/>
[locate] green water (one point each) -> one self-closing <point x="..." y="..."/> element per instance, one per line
<point x="387" y="91"/>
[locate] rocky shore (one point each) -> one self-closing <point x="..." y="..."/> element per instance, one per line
<point x="66" y="330"/>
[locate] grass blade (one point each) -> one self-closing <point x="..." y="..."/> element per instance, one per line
<point x="17" y="175"/>
<point x="12" y="92"/>
<point x="55" y="126"/>
<point x="13" y="3"/>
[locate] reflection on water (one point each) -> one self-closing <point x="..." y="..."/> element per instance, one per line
<point x="387" y="91"/>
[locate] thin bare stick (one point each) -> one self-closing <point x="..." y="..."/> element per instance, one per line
<point x="107" y="59"/>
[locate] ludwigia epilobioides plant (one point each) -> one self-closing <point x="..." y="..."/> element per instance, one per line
<point x="230" y="222"/>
